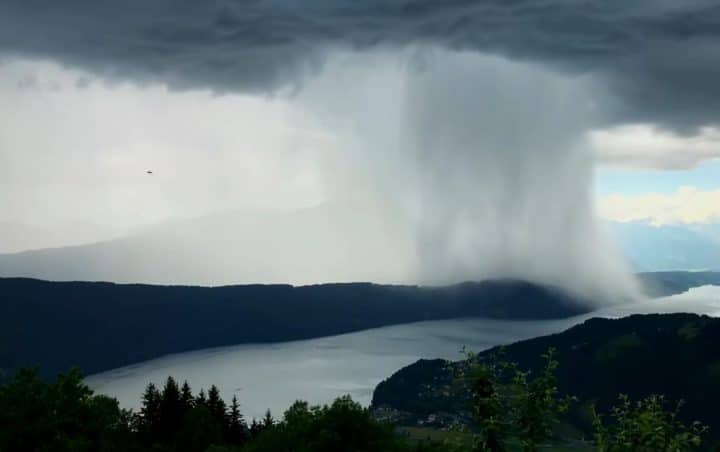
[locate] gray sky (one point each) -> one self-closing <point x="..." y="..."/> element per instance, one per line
<point x="658" y="55"/>
<point x="478" y="123"/>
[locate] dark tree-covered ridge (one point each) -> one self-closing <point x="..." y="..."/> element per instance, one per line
<point x="676" y="355"/>
<point x="99" y="326"/>
<point x="511" y="409"/>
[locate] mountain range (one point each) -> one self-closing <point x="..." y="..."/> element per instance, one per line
<point x="329" y="242"/>
<point x="303" y="246"/>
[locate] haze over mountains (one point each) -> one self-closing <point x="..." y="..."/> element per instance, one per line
<point x="669" y="247"/>
<point x="329" y="242"/>
<point x="16" y="236"/>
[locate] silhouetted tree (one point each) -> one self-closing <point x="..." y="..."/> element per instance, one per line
<point x="64" y="416"/>
<point x="201" y="399"/>
<point x="149" y="422"/>
<point x="236" y="423"/>
<point x="216" y="406"/>
<point x="268" y="420"/>
<point x="186" y="397"/>
<point x="199" y="430"/>
<point x="171" y="410"/>
<point x="255" y="428"/>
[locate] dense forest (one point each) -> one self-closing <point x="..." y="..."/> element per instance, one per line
<point x="676" y="355"/>
<point x="65" y="416"/>
<point x="101" y="326"/>
<point x="510" y="409"/>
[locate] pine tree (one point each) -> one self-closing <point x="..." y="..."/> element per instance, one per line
<point x="255" y="428"/>
<point x="216" y="406"/>
<point x="268" y="420"/>
<point x="150" y="411"/>
<point x="237" y="426"/>
<point x="234" y="413"/>
<point x="186" y="397"/>
<point x="201" y="399"/>
<point x="171" y="391"/>
<point x="170" y="409"/>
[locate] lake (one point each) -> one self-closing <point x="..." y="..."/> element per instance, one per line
<point x="272" y="376"/>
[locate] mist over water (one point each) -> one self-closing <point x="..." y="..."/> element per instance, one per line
<point x="483" y="160"/>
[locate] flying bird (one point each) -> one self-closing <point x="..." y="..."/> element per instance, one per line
<point x="149" y="172"/>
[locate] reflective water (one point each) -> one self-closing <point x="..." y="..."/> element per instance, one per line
<point x="274" y="375"/>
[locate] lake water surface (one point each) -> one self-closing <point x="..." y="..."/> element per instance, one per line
<point x="274" y="375"/>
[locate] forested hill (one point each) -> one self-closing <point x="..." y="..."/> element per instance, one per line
<point x="675" y="355"/>
<point x="100" y="326"/>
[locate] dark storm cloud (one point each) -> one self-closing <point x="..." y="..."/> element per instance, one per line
<point x="661" y="58"/>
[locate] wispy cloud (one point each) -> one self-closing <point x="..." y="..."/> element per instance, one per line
<point x="645" y="146"/>
<point x="688" y="205"/>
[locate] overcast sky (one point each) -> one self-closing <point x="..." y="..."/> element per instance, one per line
<point x="279" y="104"/>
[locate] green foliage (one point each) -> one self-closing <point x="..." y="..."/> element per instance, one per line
<point x="690" y="330"/>
<point x="537" y="408"/>
<point x="66" y="416"/>
<point x="619" y="348"/>
<point x="507" y="404"/>
<point x="172" y="420"/>
<point x="516" y="411"/>
<point x="646" y="426"/>
<point x="60" y="416"/>
<point x="342" y="426"/>
<point x="488" y="404"/>
<point x="513" y="409"/>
